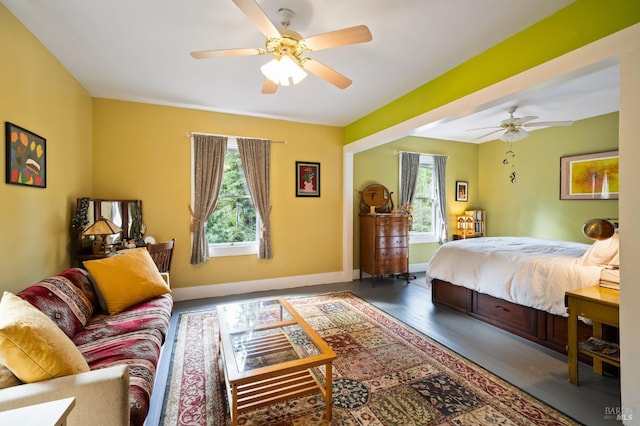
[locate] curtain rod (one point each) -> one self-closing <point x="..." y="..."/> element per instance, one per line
<point x="423" y="153"/>
<point x="189" y="134"/>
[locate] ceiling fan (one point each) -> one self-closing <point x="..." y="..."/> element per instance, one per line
<point x="289" y="49"/>
<point x="512" y="128"/>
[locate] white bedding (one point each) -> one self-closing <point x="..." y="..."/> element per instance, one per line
<point x="527" y="271"/>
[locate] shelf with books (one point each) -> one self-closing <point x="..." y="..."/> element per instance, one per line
<point x="472" y="224"/>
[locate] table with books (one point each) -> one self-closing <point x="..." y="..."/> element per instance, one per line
<point x="602" y="306"/>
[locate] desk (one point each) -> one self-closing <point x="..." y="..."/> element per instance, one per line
<point x="602" y="306"/>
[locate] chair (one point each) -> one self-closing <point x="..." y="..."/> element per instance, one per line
<point x="162" y="253"/>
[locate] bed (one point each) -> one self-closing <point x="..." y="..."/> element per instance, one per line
<point x="518" y="284"/>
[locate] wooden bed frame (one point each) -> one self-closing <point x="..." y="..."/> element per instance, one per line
<point x="537" y="326"/>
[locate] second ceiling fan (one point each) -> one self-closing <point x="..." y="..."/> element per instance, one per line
<point x="289" y="49"/>
<point x="513" y="128"/>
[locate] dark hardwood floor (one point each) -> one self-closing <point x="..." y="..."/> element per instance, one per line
<point x="537" y="370"/>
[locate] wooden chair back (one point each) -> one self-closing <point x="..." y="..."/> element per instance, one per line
<point x="162" y="253"/>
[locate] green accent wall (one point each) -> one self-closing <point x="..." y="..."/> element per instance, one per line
<point x="529" y="207"/>
<point x="576" y="25"/>
<point x="381" y="165"/>
<point x="532" y="206"/>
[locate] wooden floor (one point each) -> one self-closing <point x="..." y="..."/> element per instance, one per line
<point x="531" y="367"/>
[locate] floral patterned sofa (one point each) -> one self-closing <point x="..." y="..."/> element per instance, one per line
<point x="121" y="347"/>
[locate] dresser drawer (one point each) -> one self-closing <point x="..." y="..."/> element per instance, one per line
<point x="392" y="241"/>
<point x="517" y="317"/>
<point x="383" y="220"/>
<point x="392" y="266"/>
<point x="392" y="253"/>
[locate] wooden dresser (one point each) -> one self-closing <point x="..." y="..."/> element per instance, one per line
<point x="384" y="244"/>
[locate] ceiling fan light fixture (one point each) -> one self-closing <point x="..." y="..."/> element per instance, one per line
<point x="514" y="135"/>
<point x="283" y="71"/>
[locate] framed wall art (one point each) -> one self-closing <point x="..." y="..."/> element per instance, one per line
<point x="307" y="179"/>
<point x="589" y="176"/>
<point x="26" y="157"/>
<point x="462" y="190"/>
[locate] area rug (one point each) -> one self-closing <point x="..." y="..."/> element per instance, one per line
<point x="386" y="373"/>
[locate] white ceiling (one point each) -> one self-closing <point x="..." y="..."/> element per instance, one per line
<point x="139" y="51"/>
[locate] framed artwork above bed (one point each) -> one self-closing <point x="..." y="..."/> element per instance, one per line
<point x="589" y="176"/>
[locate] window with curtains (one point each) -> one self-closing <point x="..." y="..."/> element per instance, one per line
<point x="426" y="220"/>
<point x="233" y="227"/>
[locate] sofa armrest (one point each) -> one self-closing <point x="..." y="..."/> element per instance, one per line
<point x="102" y="396"/>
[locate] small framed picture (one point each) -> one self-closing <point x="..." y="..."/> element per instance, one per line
<point x="26" y="156"/>
<point x="462" y="190"/>
<point x="307" y="179"/>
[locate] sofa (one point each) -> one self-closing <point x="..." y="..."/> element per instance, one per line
<point x="118" y="342"/>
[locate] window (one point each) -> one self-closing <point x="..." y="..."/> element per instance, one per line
<point x="426" y="219"/>
<point x="233" y="227"/>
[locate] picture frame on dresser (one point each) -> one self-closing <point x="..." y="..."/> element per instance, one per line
<point x="26" y="157"/>
<point x="307" y="179"/>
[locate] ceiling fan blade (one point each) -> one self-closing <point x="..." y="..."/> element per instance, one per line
<point x="549" y="123"/>
<point x="259" y="18"/>
<point x="485" y="128"/>
<point x="523" y="120"/>
<point x="326" y="73"/>
<point x="343" y="37"/>
<point x="227" y="52"/>
<point x="269" y="87"/>
<point x="487" y="134"/>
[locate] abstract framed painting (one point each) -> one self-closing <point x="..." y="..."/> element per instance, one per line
<point x="26" y="157"/>
<point x="307" y="179"/>
<point x="589" y="176"/>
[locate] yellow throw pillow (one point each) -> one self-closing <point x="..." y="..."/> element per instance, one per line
<point x="32" y="346"/>
<point x="127" y="279"/>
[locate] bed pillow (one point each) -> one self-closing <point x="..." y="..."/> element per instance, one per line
<point x="127" y="279"/>
<point x="32" y="346"/>
<point x="601" y="252"/>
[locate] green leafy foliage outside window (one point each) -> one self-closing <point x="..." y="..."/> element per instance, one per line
<point x="234" y="219"/>
<point x="423" y="200"/>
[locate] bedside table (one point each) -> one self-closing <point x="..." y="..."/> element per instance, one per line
<point x="602" y="306"/>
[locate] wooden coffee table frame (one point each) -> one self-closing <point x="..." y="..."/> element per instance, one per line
<point x="250" y="389"/>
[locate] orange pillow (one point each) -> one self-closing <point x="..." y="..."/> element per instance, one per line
<point x="127" y="279"/>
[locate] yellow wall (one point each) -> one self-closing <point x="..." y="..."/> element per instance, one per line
<point x="153" y="163"/>
<point x="37" y="93"/>
<point x="381" y="165"/>
<point x="532" y="206"/>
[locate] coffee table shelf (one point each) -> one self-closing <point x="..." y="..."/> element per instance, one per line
<point x="269" y="353"/>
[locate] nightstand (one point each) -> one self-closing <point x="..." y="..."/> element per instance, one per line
<point x="602" y="306"/>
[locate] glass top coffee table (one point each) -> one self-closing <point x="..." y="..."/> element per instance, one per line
<point x="268" y="351"/>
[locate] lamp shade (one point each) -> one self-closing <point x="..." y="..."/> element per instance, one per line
<point x="283" y="71"/>
<point x="598" y="229"/>
<point x="512" y="135"/>
<point x="102" y="226"/>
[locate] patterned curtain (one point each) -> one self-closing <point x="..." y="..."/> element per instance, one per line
<point x="255" y="155"/>
<point x="440" y="169"/>
<point x="410" y="163"/>
<point x="208" y="160"/>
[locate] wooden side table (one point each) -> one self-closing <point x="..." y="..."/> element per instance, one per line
<point x="602" y="306"/>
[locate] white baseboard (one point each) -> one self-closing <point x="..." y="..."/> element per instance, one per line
<point x="241" y="287"/>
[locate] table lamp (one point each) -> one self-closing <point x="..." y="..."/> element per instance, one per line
<point x="100" y="229"/>
<point x="599" y="229"/>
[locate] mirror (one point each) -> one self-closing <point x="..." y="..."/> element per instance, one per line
<point x="127" y="214"/>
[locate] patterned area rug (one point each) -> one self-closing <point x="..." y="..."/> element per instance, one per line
<point x="386" y="373"/>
